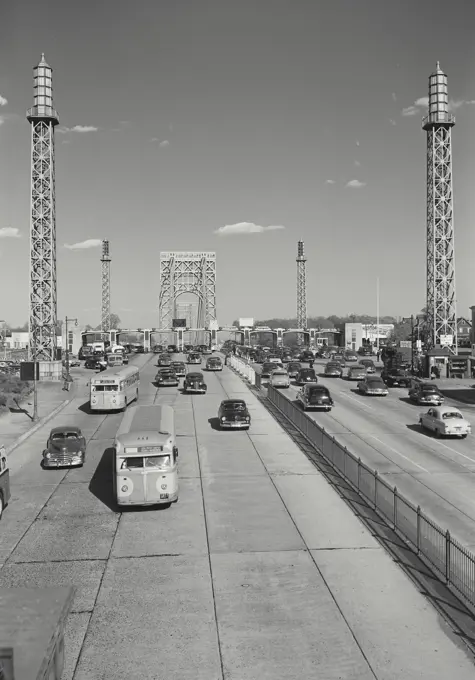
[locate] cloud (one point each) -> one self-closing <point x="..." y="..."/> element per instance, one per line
<point x="393" y="95"/>
<point x="245" y="228"/>
<point x="78" y="128"/>
<point x="358" y="164"/>
<point x="163" y="144"/>
<point x="355" y="184"/>
<point x="357" y="143"/>
<point x="83" y="245"/>
<point x="392" y="121"/>
<point x="3" y="101"/>
<point x="10" y="232"/>
<point x="421" y="103"/>
<point x="2" y="120"/>
<point x="329" y="181"/>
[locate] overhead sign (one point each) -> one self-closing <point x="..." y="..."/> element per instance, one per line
<point x="179" y="323"/>
<point x="446" y="340"/>
<point x="246" y="322"/>
<point x="213" y="325"/>
<point x="405" y="343"/>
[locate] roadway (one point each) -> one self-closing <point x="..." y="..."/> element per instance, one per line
<point x="385" y="433"/>
<point x="241" y="579"/>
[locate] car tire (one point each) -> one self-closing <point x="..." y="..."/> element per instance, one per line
<point x="2" y="505"/>
<point x="463" y="436"/>
<point x="437" y="433"/>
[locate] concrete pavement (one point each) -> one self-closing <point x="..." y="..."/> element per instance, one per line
<point x="385" y="434"/>
<point x="260" y="571"/>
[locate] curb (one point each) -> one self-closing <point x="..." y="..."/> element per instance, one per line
<point x="36" y="427"/>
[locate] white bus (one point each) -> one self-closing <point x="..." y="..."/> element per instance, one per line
<point x="114" y="388"/>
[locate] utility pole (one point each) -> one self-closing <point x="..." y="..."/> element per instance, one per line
<point x="35" y="388"/>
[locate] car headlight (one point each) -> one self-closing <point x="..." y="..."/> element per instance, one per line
<point x="223" y="418"/>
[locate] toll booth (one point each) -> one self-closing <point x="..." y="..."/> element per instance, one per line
<point x="459" y="367"/>
<point x="449" y="365"/>
<point x="32" y="624"/>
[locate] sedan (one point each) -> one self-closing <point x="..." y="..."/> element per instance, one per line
<point x="293" y="369"/>
<point x="94" y="363"/>
<point x="233" y="414"/>
<point x="66" y="447"/>
<point x="194" y="383"/>
<point x="164" y="360"/>
<point x="356" y="373"/>
<point x="369" y="365"/>
<point x="194" y="358"/>
<point x="306" y="375"/>
<point x="314" y="396"/>
<point x="214" y="364"/>
<point x="373" y="386"/>
<point x="268" y="368"/>
<point x="280" y="378"/>
<point x="167" y="378"/>
<point x="333" y="370"/>
<point x="426" y="393"/>
<point x="179" y="368"/>
<point x="445" y="421"/>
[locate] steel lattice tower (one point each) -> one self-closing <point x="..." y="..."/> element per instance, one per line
<point x="301" y="287"/>
<point x="187" y="273"/>
<point x="441" y="303"/>
<point x="106" y="288"/>
<point x="43" y="302"/>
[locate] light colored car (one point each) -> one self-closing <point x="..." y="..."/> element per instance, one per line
<point x="445" y="421"/>
<point x="274" y="359"/>
<point x="279" y="378"/>
<point x="373" y="386"/>
<point x="356" y="373"/>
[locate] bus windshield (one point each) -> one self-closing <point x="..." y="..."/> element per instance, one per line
<point x="148" y="462"/>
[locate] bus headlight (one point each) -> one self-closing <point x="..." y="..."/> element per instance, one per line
<point x="164" y="486"/>
<point x="124" y="488"/>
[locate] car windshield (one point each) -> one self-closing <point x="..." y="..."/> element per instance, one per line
<point x="429" y="388"/>
<point x="157" y="462"/>
<point x="333" y="365"/>
<point x="64" y="435"/>
<point x="448" y="415"/>
<point x="294" y="367"/>
<point x="279" y="373"/>
<point x="234" y="406"/>
<point x="375" y="381"/>
<point x="307" y="371"/>
<point x="195" y="376"/>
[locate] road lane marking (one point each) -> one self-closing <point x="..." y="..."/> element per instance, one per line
<point x="399" y="453"/>
<point x="358" y="401"/>
<point x="472" y="460"/>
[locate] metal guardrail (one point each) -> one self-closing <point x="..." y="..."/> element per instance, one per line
<point x="447" y="556"/>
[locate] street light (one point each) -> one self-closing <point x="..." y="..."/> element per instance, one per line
<point x="411" y="319"/>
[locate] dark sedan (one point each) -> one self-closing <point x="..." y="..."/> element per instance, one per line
<point x="194" y="383"/>
<point x="293" y="369"/>
<point x="167" y="378"/>
<point x="306" y="375"/>
<point x="233" y="414"/>
<point x="66" y="447"/>
<point x="179" y="367"/>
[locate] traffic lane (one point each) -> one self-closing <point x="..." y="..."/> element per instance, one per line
<point x="435" y="488"/>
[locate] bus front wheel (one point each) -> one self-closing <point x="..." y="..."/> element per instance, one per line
<point x="125" y="404"/>
<point x="1" y="505"/>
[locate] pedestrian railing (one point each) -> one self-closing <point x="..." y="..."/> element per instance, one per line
<point x="446" y="555"/>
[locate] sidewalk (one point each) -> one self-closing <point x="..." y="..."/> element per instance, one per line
<point x="17" y="422"/>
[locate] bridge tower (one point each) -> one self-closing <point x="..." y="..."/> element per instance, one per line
<point x="187" y="272"/>
<point x="301" y="287"/>
<point x="441" y="303"/>
<point x="106" y="288"/>
<point x="43" y="301"/>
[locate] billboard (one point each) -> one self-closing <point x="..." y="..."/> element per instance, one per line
<point x="246" y="322"/>
<point x="178" y="323"/>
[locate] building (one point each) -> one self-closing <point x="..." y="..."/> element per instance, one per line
<point x="358" y="334"/>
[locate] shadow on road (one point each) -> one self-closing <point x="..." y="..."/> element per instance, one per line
<point x="101" y="483"/>
<point x="415" y="427"/>
<point x="214" y="423"/>
<point x="85" y="408"/>
<point x="20" y="409"/>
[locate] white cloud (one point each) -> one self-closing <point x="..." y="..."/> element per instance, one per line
<point x="245" y="228"/>
<point x="357" y="143"/>
<point x="423" y="102"/>
<point x="78" y="128"/>
<point x="2" y="120"/>
<point x="154" y="139"/>
<point x="3" y="101"/>
<point x="392" y="121"/>
<point x="329" y="181"/>
<point x="163" y="144"/>
<point x="358" y="164"/>
<point x="82" y="245"/>
<point x="355" y="184"/>
<point x="10" y="232"/>
<point x="393" y="95"/>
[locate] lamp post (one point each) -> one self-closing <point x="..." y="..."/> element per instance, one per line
<point x="35" y="388"/>
<point x="66" y="321"/>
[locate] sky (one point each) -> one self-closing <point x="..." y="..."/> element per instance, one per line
<point x="292" y="119"/>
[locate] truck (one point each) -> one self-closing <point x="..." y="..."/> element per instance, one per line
<point x="397" y="366"/>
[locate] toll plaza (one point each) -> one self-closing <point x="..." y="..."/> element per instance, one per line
<point x="32" y="624"/>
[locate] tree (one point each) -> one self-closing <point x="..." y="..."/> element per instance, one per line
<point x="115" y="323"/>
<point x="401" y="331"/>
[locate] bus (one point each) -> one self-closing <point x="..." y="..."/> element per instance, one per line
<point x="4" y="480"/>
<point x="115" y="359"/>
<point x="114" y="388"/>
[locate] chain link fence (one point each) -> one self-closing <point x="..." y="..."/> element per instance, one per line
<point x="450" y="559"/>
